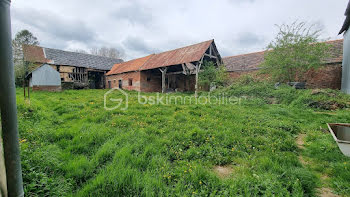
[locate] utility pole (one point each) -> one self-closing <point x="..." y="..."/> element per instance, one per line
<point x="345" y="84"/>
<point x="8" y="106"/>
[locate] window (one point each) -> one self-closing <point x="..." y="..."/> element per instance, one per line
<point x="62" y="79"/>
<point x="130" y="82"/>
<point x="109" y="85"/>
<point x="148" y="78"/>
<point x="58" y="68"/>
<point x="114" y="81"/>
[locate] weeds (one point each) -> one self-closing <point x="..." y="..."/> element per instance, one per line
<point x="71" y="146"/>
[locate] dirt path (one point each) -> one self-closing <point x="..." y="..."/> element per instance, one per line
<point x="323" y="191"/>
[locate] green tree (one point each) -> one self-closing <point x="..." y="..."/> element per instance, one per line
<point x="211" y="74"/>
<point x="23" y="37"/>
<point x="295" y="49"/>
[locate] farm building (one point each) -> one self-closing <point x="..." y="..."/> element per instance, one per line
<point x="175" y="70"/>
<point x="328" y="76"/>
<point x="77" y="70"/>
<point x="45" y="78"/>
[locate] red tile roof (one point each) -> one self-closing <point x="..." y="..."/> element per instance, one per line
<point x="244" y="62"/>
<point x="336" y="51"/>
<point x="34" y="54"/>
<point x="252" y="61"/>
<point x="132" y="65"/>
<point x="182" y="55"/>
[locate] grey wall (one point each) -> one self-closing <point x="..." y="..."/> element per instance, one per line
<point x="345" y="85"/>
<point x="45" y="76"/>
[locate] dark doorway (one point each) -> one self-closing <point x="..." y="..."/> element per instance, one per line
<point x="120" y="83"/>
<point x="96" y="80"/>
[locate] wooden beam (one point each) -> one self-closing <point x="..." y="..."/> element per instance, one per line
<point x="175" y="73"/>
<point x="198" y="67"/>
<point x="211" y="56"/>
<point x="210" y="50"/>
<point x="163" y="71"/>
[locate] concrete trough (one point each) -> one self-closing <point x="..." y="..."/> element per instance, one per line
<point x="341" y="134"/>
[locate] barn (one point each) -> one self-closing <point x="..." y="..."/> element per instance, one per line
<point x="44" y="78"/>
<point x="77" y="70"/>
<point x="175" y="70"/>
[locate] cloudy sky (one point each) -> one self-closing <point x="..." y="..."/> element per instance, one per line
<point x="141" y="27"/>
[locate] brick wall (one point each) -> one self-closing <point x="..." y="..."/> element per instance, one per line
<point x="47" y="88"/>
<point x="325" y="77"/>
<point x="328" y="76"/>
<point x="150" y="81"/>
<point x="124" y="77"/>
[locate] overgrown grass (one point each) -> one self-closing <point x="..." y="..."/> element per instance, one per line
<point x="71" y="146"/>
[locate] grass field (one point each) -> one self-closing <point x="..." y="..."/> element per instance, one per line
<point x="72" y="146"/>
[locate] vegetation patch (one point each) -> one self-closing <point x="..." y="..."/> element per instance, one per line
<point x="72" y="146"/>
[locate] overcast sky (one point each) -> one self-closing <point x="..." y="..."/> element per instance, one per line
<point x="142" y="27"/>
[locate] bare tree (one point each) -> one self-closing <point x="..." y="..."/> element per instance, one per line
<point x="106" y="52"/>
<point x="80" y="51"/>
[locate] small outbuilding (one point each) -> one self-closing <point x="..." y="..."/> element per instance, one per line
<point x="44" y="78"/>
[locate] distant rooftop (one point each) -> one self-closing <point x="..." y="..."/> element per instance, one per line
<point x="252" y="61"/>
<point x="39" y="54"/>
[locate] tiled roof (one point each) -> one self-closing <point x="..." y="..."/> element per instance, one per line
<point x="336" y="51"/>
<point x="245" y="62"/>
<point x="252" y="61"/>
<point x="58" y="57"/>
<point x="132" y="65"/>
<point x="182" y="55"/>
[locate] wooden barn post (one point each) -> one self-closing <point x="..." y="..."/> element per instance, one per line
<point x="163" y="71"/>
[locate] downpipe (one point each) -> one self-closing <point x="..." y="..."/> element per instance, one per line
<point x="8" y="106"/>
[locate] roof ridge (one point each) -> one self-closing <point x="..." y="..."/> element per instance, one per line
<point x="146" y="61"/>
<point x="341" y="39"/>
<point x="79" y="53"/>
<point x="245" y="54"/>
<point x="185" y="46"/>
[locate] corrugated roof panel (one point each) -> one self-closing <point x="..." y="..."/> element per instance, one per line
<point x="182" y="55"/>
